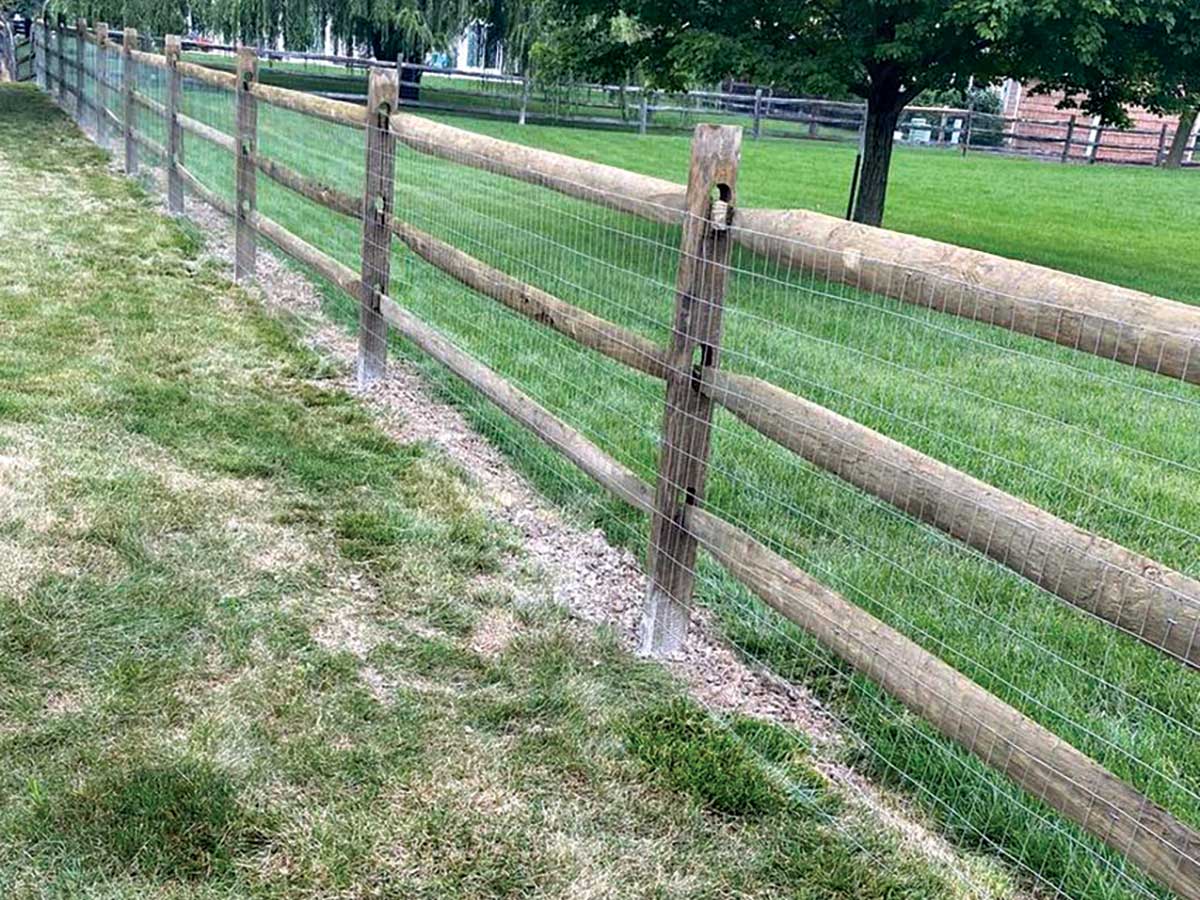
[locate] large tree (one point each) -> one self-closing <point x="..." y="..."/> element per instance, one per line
<point x="883" y="51"/>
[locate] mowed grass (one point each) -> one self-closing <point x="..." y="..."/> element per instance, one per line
<point x="1106" y="447"/>
<point x="239" y="624"/>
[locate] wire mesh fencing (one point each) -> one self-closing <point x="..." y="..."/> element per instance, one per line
<point x="961" y="520"/>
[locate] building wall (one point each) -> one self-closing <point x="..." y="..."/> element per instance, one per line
<point x="1043" y="129"/>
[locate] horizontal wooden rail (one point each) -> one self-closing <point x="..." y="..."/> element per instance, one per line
<point x="297" y="248"/>
<point x="329" y="197"/>
<point x="148" y="59"/>
<point x="589" y="330"/>
<point x="201" y="190"/>
<point x="211" y="77"/>
<point x="1002" y="737"/>
<point x="207" y="132"/>
<point x="642" y="195"/>
<point x="1094" y="317"/>
<point x="590" y="458"/>
<point x="334" y="111"/>
<point x="1090" y="316"/>
<point x="149" y="103"/>
<point x="150" y="144"/>
<point x="1138" y="595"/>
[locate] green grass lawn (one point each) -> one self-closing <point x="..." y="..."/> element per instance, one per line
<point x="1104" y="446"/>
<point x="237" y="624"/>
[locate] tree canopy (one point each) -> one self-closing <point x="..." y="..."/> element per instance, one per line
<point x="1147" y="53"/>
<point x="886" y="52"/>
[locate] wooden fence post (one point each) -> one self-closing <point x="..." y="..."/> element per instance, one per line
<point x="172" y="47"/>
<point x="1094" y="148"/>
<point x="1066" y="154"/>
<point x="757" y="131"/>
<point x="1162" y="146"/>
<point x="383" y="95"/>
<point x="80" y="103"/>
<point x="968" y="127"/>
<point x="61" y="93"/>
<point x="102" y="127"/>
<point x="129" y="111"/>
<point x="695" y="346"/>
<point x="643" y="112"/>
<point x="245" y="171"/>
<point x="524" y="100"/>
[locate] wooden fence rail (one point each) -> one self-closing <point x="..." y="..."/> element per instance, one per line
<point x="1134" y="593"/>
<point x="1090" y="316"/>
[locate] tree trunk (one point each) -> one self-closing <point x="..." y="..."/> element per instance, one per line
<point x="1187" y="119"/>
<point x="883" y="113"/>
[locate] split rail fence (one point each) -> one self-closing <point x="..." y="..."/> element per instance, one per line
<point x="375" y="183"/>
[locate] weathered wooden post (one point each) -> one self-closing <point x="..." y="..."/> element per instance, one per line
<point x="695" y="347"/>
<point x="1066" y="154"/>
<point x="102" y="127"/>
<point x="968" y="128"/>
<point x="643" y="112"/>
<point x="941" y="138"/>
<point x="383" y="96"/>
<point x="245" y="251"/>
<point x="80" y="43"/>
<point x="129" y="111"/>
<point x="524" y="100"/>
<point x="172" y="47"/>
<point x="62" y="58"/>
<point x="1162" y="146"/>
<point x="1094" y="144"/>
<point x="757" y="131"/>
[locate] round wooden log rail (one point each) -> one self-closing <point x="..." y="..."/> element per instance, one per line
<point x="334" y="111"/>
<point x="201" y="190"/>
<point x="1102" y="319"/>
<point x="207" y="132"/>
<point x="325" y="195"/>
<point x="211" y="77"/>
<point x="1139" y="596"/>
<point x="589" y="330"/>
<point x="642" y="195"/>
<point x="150" y="144"/>
<point x="149" y="103"/>
<point x="148" y="59"/>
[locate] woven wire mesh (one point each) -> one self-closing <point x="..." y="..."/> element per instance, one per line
<point x="1103" y="446"/>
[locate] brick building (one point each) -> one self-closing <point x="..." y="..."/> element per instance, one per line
<point x="1043" y="129"/>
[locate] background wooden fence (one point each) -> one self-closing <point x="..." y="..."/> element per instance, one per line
<point x="1140" y="597"/>
<point x="762" y="111"/>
